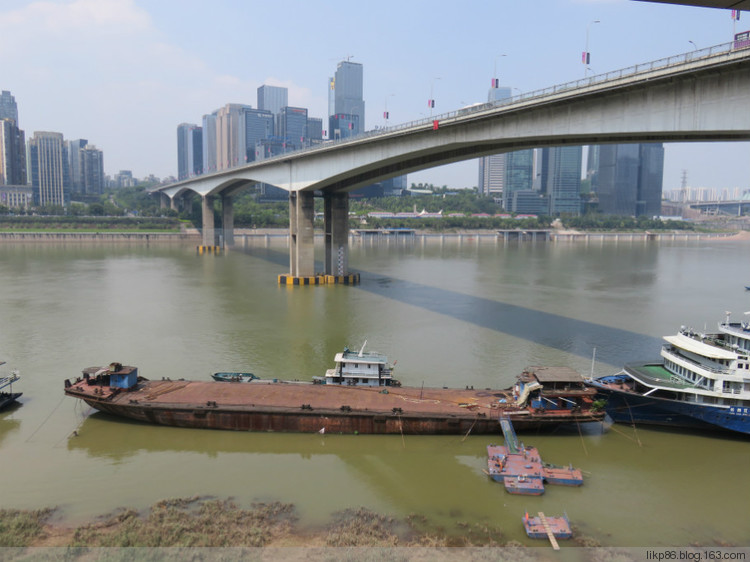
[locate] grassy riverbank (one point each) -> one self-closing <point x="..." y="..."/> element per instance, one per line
<point x="204" y="522"/>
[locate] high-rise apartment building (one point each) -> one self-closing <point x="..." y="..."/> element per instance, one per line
<point x="48" y="166"/>
<point x="189" y="150"/>
<point x="231" y="149"/>
<point x="345" y="94"/>
<point x="272" y="98"/>
<point x="560" y="176"/>
<point x="628" y="178"/>
<point x="492" y="168"/>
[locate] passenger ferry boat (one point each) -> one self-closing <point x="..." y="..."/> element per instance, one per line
<point x="703" y="381"/>
<point x="359" y="369"/>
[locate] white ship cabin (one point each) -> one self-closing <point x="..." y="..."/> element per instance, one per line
<point x="360" y="368"/>
<point x="717" y="365"/>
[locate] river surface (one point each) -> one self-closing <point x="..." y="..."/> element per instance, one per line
<point x="450" y="311"/>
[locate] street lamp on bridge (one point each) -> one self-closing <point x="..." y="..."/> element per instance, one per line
<point x="586" y="58"/>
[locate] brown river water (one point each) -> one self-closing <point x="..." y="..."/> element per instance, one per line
<point x="451" y="311"/>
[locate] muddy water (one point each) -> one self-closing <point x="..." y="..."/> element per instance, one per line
<point x="450" y="312"/>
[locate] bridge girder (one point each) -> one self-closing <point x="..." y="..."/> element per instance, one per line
<point x="695" y="100"/>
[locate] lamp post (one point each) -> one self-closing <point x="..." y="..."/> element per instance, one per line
<point x="385" y="111"/>
<point x="495" y="79"/>
<point x="431" y="101"/>
<point x="586" y="59"/>
<point x="695" y="48"/>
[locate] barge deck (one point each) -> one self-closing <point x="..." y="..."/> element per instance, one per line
<point x="306" y="407"/>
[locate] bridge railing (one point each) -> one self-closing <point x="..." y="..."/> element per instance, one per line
<point x="598" y="79"/>
<point x="595" y="80"/>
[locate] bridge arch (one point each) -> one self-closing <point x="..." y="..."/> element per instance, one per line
<point x="698" y="96"/>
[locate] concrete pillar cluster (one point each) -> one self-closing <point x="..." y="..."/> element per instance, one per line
<point x="301" y="236"/>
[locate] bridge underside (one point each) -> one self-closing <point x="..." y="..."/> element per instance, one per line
<point x="691" y="100"/>
<point x="301" y="231"/>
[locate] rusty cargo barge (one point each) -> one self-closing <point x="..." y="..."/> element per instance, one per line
<point x="544" y="397"/>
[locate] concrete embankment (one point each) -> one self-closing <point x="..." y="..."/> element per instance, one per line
<point x="61" y="236"/>
<point x="243" y="236"/>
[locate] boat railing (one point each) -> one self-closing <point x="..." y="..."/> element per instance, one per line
<point x="673" y="351"/>
<point x="9" y="379"/>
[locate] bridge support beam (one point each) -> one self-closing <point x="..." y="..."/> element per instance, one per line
<point x="336" y="218"/>
<point x="227" y="219"/>
<point x="207" y="212"/>
<point x="301" y="235"/>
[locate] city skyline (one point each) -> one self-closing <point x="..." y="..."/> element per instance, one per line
<point x="132" y="71"/>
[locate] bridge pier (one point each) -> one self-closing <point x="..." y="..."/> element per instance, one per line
<point x="336" y="218"/>
<point x="301" y="235"/>
<point x="227" y="219"/>
<point x="209" y="229"/>
<point x="302" y="240"/>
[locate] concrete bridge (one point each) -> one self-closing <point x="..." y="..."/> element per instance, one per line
<point x="698" y="96"/>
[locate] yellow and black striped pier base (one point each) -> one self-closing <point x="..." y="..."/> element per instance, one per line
<point x="209" y="249"/>
<point x="305" y="280"/>
<point x="351" y="279"/>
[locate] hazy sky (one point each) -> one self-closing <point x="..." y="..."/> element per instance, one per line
<point x="124" y="73"/>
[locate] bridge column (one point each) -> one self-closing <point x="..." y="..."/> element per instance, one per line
<point x="336" y="217"/>
<point x="209" y="238"/>
<point x="227" y="219"/>
<point x="301" y="235"/>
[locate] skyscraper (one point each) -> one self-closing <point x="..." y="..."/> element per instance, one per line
<point x="291" y="126"/>
<point x="209" y="142"/>
<point x="75" y="164"/>
<point x="189" y="150"/>
<point x="492" y="168"/>
<point x="48" y="164"/>
<point x="8" y="107"/>
<point x="561" y="179"/>
<point x="315" y="130"/>
<point x="272" y="98"/>
<point x="93" y="170"/>
<point x="259" y="125"/>
<point x="231" y="149"/>
<point x="12" y="143"/>
<point x="12" y="153"/>
<point x="628" y="178"/>
<point x="345" y="93"/>
<point x="519" y="174"/>
<point x="342" y="126"/>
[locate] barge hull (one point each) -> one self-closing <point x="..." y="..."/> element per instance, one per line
<point x="201" y="417"/>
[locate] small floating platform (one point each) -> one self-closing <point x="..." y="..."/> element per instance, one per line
<point x="521" y="469"/>
<point x="524" y="485"/>
<point x="543" y="527"/>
